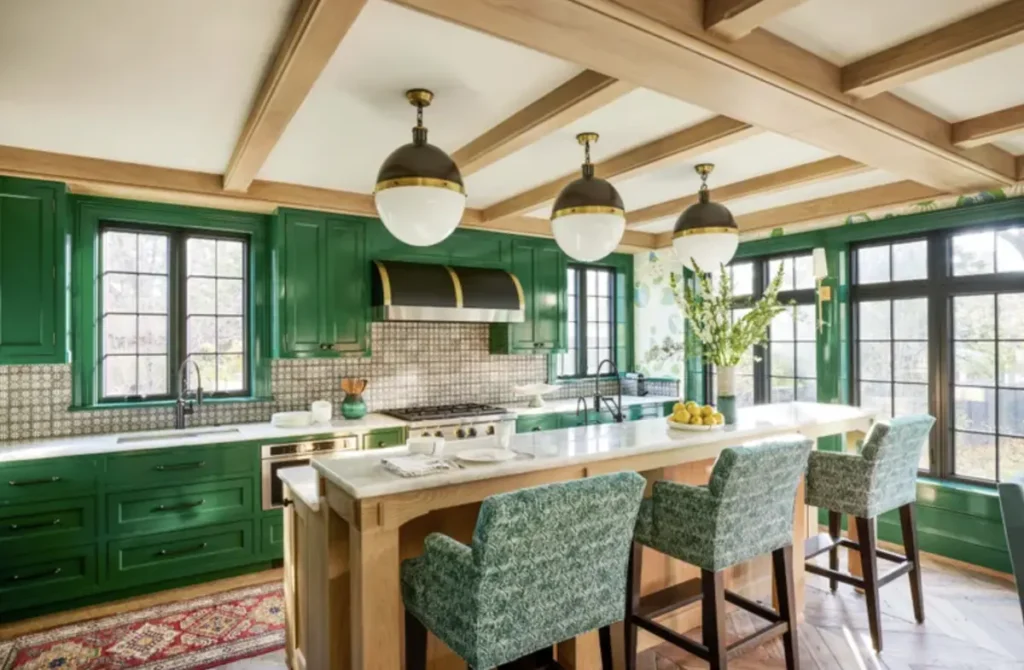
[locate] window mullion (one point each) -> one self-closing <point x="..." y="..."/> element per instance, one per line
<point x="939" y="336"/>
<point x="178" y="349"/>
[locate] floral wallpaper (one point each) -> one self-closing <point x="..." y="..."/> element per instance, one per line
<point x="657" y="320"/>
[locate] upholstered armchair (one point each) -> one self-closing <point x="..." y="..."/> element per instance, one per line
<point x="1011" y="499"/>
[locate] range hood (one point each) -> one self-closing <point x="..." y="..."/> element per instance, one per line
<point x="424" y="292"/>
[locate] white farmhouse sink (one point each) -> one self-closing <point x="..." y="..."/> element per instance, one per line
<point x="176" y="434"/>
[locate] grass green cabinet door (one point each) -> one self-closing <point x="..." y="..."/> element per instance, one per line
<point x="300" y="283"/>
<point x="30" y="272"/>
<point x="346" y="285"/>
<point x="540" y="268"/>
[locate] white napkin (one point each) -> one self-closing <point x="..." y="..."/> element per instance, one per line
<point x="415" y="465"/>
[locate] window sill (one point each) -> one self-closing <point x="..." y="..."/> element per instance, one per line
<point x="144" y="404"/>
<point x="962" y="487"/>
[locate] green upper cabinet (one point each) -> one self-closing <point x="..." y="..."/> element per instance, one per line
<point x="540" y="268"/>
<point x="322" y="280"/>
<point x="31" y="272"/>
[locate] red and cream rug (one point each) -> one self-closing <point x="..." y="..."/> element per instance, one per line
<point x="193" y="635"/>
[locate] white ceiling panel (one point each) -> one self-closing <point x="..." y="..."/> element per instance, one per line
<point x="160" y="82"/>
<point x="658" y="225"/>
<point x="978" y="87"/>
<point x="1013" y="143"/>
<point x="357" y="114"/>
<point x="757" y="155"/>
<point x="844" y="31"/>
<point x="634" y="119"/>
<point x="821" y="189"/>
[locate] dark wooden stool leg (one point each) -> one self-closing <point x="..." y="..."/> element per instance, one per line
<point x="713" y="617"/>
<point x="835" y="529"/>
<point x="632" y="603"/>
<point x="415" y="644"/>
<point x="782" y="561"/>
<point x="869" y="566"/>
<point x="909" y="523"/>
<point x="605" y="635"/>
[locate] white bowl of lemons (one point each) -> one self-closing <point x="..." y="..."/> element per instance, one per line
<point x="691" y="416"/>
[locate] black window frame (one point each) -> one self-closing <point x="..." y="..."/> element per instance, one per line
<point x="580" y="333"/>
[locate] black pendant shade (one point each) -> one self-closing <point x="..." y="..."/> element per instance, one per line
<point x="704" y="216"/>
<point x="419" y="163"/>
<point x="588" y="194"/>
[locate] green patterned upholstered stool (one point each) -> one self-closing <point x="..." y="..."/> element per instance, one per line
<point x="881" y="476"/>
<point x="1011" y="500"/>
<point x="746" y="510"/>
<point x="546" y="564"/>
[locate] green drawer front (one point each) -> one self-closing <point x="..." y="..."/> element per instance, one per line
<point x="33" y="580"/>
<point x="639" y="412"/>
<point x="154" y="558"/>
<point x="48" y="479"/>
<point x="41" y="525"/>
<point x="272" y="536"/>
<point x="169" y="466"/>
<point x="532" y="424"/>
<point x="176" y="507"/>
<point x="379" y="439"/>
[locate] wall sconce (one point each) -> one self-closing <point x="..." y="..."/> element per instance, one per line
<point x="824" y="292"/>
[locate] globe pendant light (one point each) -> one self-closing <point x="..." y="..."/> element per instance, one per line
<point x="419" y="193"/>
<point x="588" y="218"/>
<point x="705" y="233"/>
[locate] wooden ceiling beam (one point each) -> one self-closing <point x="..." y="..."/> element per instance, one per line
<point x="114" y="179"/>
<point x="988" y="128"/>
<point x="573" y="100"/>
<point x="761" y="80"/>
<point x="316" y="30"/>
<point x="733" y="19"/>
<point x="826" y="168"/>
<point x="688" y="142"/>
<point x="986" y="32"/>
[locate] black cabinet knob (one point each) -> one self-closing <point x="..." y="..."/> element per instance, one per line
<point x="472" y="432"/>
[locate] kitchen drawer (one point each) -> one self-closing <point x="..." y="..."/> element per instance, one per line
<point x="175" y="507"/>
<point x="640" y="412"/>
<point x="536" y="422"/>
<point x="153" y="558"/>
<point x="43" y="525"/>
<point x="379" y="439"/>
<point x="169" y="466"/>
<point x="39" y="578"/>
<point x="272" y="535"/>
<point x="48" y="479"/>
<point x="592" y="418"/>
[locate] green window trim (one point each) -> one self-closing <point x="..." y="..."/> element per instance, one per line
<point x="87" y="215"/>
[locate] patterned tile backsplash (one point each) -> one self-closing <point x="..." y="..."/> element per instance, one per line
<point x="412" y="364"/>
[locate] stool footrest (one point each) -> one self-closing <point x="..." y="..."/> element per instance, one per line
<point x="757" y="608"/>
<point x="846" y="578"/>
<point x="669" y="599"/>
<point x="757" y="638"/>
<point x="823" y="542"/>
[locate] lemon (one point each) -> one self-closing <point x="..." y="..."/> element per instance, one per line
<point x="719" y="418"/>
<point x="709" y="421"/>
<point x="707" y="410"/>
<point x="692" y="407"/>
<point x="681" y="416"/>
<point x="695" y="420"/>
<point x="678" y="407"/>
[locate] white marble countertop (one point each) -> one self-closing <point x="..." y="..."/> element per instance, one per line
<point x="304" y="483"/>
<point x="569" y="404"/>
<point x="361" y="475"/>
<point x="84" y="445"/>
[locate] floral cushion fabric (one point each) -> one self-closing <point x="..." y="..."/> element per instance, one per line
<point x="881" y="477"/>
<point x="546" y="564"/>
<point x="745" y="510"/>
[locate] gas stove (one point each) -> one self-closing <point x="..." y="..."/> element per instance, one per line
<point x="452" y="422"/>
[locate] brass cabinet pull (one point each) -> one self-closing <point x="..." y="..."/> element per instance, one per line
<point x="44" y="524"/>
<point x="179" y="552"/>
<point x="33" y="482"/>
<point x="174" y="508"/>
<point x="180" y="466"/>
<point x="38" y="575"/>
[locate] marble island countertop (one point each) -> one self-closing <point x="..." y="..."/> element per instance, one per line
<point x="84" y="445"/>
<point x="304" y="484"/>
<point x="569" y="404"/>
<point x="361" y="475"/>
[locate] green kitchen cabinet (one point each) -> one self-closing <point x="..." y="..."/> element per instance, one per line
<point x="272" y="535"/>
<point x="36" y="579"/>
<point x="38" y="526"/>
<point x="182" y="465"/>
<point x="541" y="270"/>
<point x="48" y="479"/>
<point x="536" y="422"/>
<point x="322" y="284"/>
<point x="640" y="412"/>
<point x="31" y="272"/>
<point x="590" y="418"/>
<point x="175" y="507"/>
<point x="387" y="437"/>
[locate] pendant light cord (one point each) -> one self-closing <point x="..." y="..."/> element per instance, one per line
<point x="588" y="167"/>
<point x="419" y="133"/>
<point x="704" y="193"/>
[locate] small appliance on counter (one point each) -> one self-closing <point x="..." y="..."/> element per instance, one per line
<point x="353" y="407"/>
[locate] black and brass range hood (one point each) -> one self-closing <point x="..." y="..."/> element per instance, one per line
<point x="424" y="292"/>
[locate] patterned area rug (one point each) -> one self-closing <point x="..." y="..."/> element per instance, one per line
<point x="193" y="635"/>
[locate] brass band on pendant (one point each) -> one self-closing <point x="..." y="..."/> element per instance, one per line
<point x="519" y="290"/>
<point x="588" y="209"/>
<point x="385" y="281"/>
<point x="706" y="230"/>
<point x="457" y="285"/>
<point x="432" y="182"/>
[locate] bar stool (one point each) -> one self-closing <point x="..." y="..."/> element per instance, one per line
<point x="882" y="476"/>
<point x="546" y="564"/>
<point x="746" y="510"/>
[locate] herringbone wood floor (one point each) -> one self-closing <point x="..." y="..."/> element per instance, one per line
<point x="971" y="621"/>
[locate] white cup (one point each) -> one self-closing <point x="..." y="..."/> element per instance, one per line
<point x="321" y="411"/>
<point x="506" y="429"/>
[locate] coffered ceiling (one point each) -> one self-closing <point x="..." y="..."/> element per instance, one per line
<point x="845" y="107"/>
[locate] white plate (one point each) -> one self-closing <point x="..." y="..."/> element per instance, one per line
<point x="687" y="426"/>
<point x="486" y="455"/>
<point x="291" y="419"/>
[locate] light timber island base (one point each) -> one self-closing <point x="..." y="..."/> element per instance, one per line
<point x="351" y="523"/>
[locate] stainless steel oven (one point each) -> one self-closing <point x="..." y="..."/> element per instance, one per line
<point x="276" y="457"/>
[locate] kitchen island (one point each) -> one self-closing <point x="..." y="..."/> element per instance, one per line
<point x="343" y="556"/>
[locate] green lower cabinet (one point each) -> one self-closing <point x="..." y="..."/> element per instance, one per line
<point x="272" y="535"/>
<point x="177" y="507"/>
<point x="154" y="558"/>
<point x="390" y="437"/>
<point x="40" y="578"/>
<point x="37" y="526"/>
<point x="590" y="418"/>
<point x="536" y="422"/>
<point x="48" y="479"/>
<point x="641" y="412"/>
<point x="183" y="465"/>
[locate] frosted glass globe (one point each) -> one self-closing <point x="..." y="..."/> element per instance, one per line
<point x="709" y="249"/>
<point x="420" y="215"/>
<point x="588" y="237"/>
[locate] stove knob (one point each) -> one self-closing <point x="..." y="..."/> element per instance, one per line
<point x="490" y="430"/>
<point x="460" y="433"/>
<point x="472" y="432"/>
<point x="438" y="434"/>
<point x="425" y="433"/>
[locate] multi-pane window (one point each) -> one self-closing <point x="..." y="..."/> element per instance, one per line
<point x="742" y="277"/>
<point x="166" y="295"/>
<point x="591" y="320"/>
